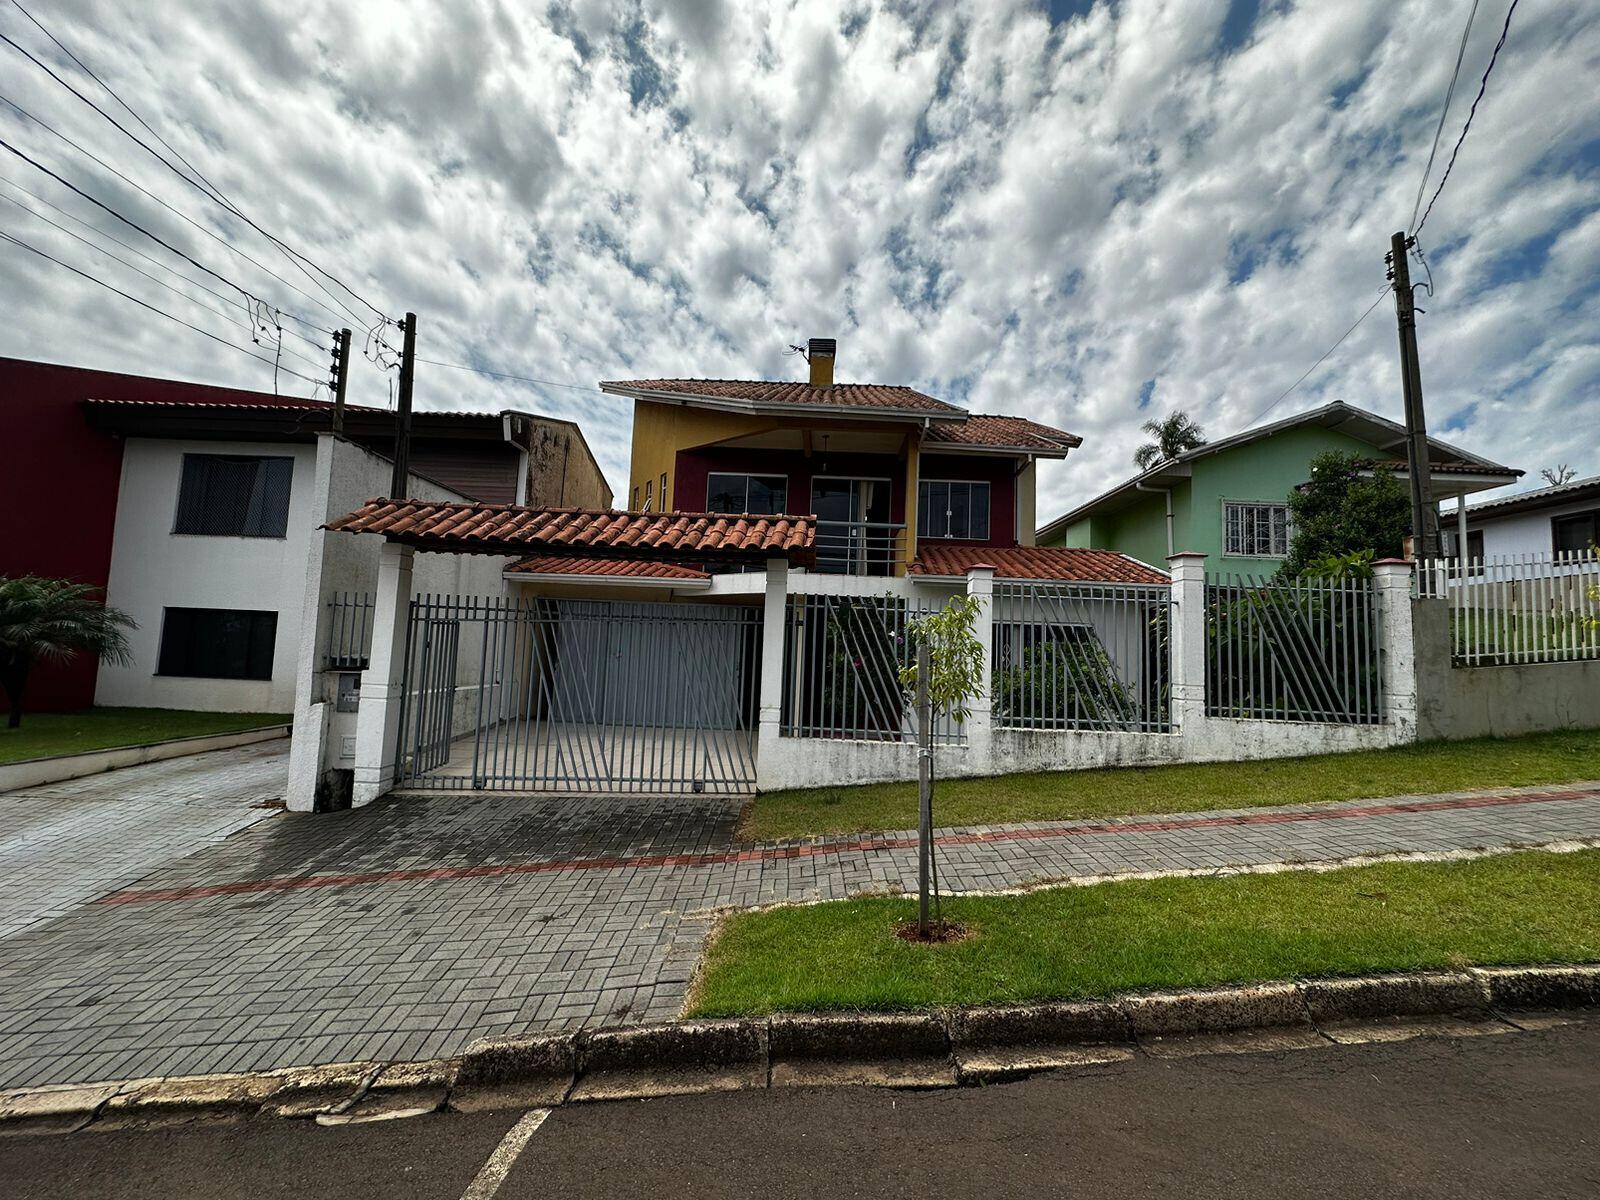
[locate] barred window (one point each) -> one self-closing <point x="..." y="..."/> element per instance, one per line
<point x="234" y="495"/>
<point x="1256" y="530"/>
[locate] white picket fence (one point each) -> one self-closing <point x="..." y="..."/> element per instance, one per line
<point x="1527" y="608"/>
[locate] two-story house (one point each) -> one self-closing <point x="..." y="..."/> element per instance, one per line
<point x="899" y="481"/>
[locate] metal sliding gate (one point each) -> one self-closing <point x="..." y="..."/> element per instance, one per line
<point x="537" y="694"/>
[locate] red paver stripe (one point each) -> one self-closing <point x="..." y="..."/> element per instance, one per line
<point x="865" y="844"/>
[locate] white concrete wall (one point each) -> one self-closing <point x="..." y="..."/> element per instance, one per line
<point x="1520" y="533"/>
<point x="153" y="568"/>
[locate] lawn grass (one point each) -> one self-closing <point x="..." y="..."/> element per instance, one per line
<point x="1190" y="787"/>
<point x="1075" y="942"/>
<point x="45" y="735"/>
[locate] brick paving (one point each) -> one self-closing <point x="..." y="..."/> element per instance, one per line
<point x="64" y="843"/>
<point x="412" y="927"/>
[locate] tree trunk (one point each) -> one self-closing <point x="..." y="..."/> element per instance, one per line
<point x="13" y="677"/>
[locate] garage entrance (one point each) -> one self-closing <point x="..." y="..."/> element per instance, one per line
<point x="550" y="695"/>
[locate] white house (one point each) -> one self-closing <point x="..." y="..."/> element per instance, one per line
<point x="1564" y="519"/>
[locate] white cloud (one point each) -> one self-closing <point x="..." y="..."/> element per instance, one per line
<point x="1031" y="218"/>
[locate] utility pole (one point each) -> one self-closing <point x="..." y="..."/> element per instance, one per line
<point x="341" y="372"/>
<point x="399" y="486"/>
<point x="1424" y="519"/>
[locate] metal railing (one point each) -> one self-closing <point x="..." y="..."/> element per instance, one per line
<point x="1082" y="656"/>
<point x="579" y="695"/>
<point x="842" y="661"/>
<point x="1528" y="608"/>
<point x="859" y="547"/>
<point x="349" y="631"/>
<point x="1302" y="651"/>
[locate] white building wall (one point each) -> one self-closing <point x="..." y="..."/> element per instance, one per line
<point x="1524" y="532"/>
<point x="153" y="569"/>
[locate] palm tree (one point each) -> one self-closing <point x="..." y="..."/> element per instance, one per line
<point x="1174" y="434"/>
<point x="51" y="620"/>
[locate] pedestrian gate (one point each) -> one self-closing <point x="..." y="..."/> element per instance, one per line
<point x="537" y="694"/>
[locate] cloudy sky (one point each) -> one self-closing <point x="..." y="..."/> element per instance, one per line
<point x="1087" y="213"/>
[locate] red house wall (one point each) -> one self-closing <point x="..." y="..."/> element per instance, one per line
<point x="53" y="465"/>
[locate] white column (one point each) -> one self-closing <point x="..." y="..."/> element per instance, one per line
<point x="1188" y="570"/>
<point x="382" y="683"/>
<point x="770" y="705"/>
<point x="308" y="746"/>
<point x="1391" y="577"/>
<point x="980" y="721"/>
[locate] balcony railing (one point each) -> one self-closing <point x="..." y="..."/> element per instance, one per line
<point x="859" y="547"/>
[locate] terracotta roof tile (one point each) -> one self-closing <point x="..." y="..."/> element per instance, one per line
<point x="1035" y="562"/>
<point x="595" y="533"/>
<point x="993" y="431"/>
<point x="764" y="392"/>
<point x="555" y="564"/>
<point x="1449" y="467"/>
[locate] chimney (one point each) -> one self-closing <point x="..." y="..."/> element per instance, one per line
<point x="819" y="353"/>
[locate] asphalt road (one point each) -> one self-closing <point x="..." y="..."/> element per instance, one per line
<point x="1510" y="1115"/>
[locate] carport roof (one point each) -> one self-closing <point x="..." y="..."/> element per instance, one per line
<point x="458" y="528"/>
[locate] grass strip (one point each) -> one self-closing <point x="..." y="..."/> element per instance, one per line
<point x="47" y="735"/>
<point x="1077" y="942"/>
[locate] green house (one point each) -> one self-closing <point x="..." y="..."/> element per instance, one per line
<point x="1228" y="499"/>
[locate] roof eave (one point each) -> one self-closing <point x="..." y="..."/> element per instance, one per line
<point x="759" y="408"/>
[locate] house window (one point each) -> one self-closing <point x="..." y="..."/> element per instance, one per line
<point x="217" y="643"/>
<point x="234" y="495"/>
<point x="663" y="491"/>
<point x="1575" y="532"/>
<point x="634" y="506"/>
<point x="760" y="494"/>
<point x="1255" y="530"/>
<point x="649" y="484"/>
<point x="949" y="508"/>
<point x="1474" y="544"/>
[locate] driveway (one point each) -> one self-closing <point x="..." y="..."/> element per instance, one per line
<point x="66" y="843"/>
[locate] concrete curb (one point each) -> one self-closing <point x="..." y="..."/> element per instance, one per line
<point x="929" y="1049"/>
<point x="38" y="772"/>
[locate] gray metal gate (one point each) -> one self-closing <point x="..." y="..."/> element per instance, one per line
<point x="537" y="694"/>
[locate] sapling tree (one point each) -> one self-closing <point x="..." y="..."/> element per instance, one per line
<point x="944" y="679"/>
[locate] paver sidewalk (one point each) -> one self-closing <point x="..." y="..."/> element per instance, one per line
<point x="412" y="927"/>
<point x="65" y="843"/>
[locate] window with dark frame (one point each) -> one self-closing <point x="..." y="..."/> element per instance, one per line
<point x="763" y="495"/>
<point x="649" y="485"/>
<point x="234" y="495"/>
<point x="1574" y="533"/>
<point x="217" y="643"/>
<point x="663" y="491"/>
<point x="953" y="508"/>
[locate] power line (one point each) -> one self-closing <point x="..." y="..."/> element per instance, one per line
<point x="131" y="249"/>
<point x="16" y="241"/>
<point x="223" y="313"/>
<point x="1472" y="112"/>
<point x="196" y="181"/>
<point x="1325" y="354"/>
<point x="1444" y="112"/>
<point x="577" y="387"/>
<point x="177" y="212"/>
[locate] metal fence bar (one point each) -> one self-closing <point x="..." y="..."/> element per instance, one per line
<point x="1513" y="609"/>
<point x="1302" y="650"/>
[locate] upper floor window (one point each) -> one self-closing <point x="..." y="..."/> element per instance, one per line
<point x="767" y="495"/>
<point x="234" y="495"/>
<point x="953" y="508"/>
<point x="648" y="505"/>
<point x="1253" y="530"/>
<point x="1575" y="532"/>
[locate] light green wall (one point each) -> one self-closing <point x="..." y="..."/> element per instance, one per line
<point x="1265" y="470"/>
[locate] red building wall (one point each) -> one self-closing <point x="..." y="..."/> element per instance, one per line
<point x="52" y="465"/>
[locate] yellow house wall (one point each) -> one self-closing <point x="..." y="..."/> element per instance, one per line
<point x="661" y="430"/>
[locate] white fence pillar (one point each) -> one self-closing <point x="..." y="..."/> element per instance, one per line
<point x="980" y="720"/>
<point x="1188" y="640"/>
<point x="1397" y="641"/>
<point x="770" y="699"/>
<point x="383" y="682"/>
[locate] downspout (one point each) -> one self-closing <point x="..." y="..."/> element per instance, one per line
<point x="1167" y="492"/>
<point x="509" y="436"/>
